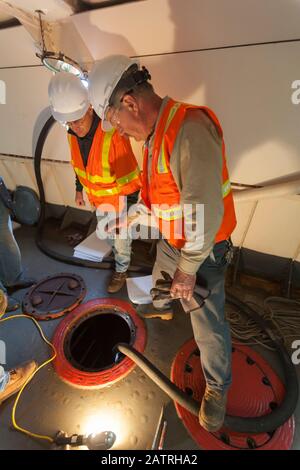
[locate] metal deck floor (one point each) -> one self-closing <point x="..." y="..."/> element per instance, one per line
<point x="131" y="407"/>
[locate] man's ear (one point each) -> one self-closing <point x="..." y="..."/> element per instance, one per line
<point x="131" y="103"/>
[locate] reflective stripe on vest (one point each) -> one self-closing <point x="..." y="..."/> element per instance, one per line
<point x="226" y="188"/>
<point x="94" y="178"/>
<point x="172" y="213"/>
<point x="128" y="178"/>
<point x="101" y="192"/>
<point x="162" y="164"/>
<point x="100" y="179"/>
<point x="109" y="192"/>
<point x="105" y="154"/>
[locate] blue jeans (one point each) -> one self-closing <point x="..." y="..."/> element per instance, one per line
<point x="210" y="328"/>
<point x="10" y="256"/>
<point x="122" y="253"/>
<point x="121" y="246"/>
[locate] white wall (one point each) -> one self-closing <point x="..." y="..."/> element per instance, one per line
<point x="248" y="87"/>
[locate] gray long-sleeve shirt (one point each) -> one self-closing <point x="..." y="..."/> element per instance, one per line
<point x="196" y="165"/>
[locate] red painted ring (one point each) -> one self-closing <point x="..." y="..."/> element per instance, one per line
<point x="93" y="380"/>
<point x="248" y="396"/>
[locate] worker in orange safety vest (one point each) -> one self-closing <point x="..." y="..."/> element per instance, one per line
<point x="105" y="166"/>
<point x="186" y="186"/>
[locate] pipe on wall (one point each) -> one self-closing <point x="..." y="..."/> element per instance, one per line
<point x="272" y="191"/>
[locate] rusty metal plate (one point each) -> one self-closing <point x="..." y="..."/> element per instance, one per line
<point x="54" y="296"/>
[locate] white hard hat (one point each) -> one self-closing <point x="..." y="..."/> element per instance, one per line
<point x="68" y="97"/>
<point x="103" y="79"/>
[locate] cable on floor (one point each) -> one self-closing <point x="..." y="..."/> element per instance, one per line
<point x="13" y="414"/>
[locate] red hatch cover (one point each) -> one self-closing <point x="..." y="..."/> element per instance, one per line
<point x="255" y="391"/>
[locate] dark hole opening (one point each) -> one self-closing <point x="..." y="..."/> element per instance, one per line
<point x="266" y="381"/>
<point x="188" y="368"/>
<point x="251" y="443"/>
<point x="91" y="345"/>
<point x="273" y="405"/>
<point x="250" y="361"/>
<point x="225" y="438"/>
<point x="189" y="391"/>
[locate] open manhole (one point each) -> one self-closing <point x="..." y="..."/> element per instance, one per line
<point x="86" y="342"/>
<point x="90" y="345"/>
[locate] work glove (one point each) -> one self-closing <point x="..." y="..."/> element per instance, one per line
<point x="162" y="291"/>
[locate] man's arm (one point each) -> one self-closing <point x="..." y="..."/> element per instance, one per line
<point x="78" y="193"/>
<point x="78" y="185"/>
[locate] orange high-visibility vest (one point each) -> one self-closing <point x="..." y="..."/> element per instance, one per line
<point x="111" y="170"/>
<point x="162" y="196"/>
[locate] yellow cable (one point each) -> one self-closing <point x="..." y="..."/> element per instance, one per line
<point x="13" y="415"/>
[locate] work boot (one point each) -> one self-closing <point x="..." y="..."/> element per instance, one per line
<point x="17" y="378"/>
<point x="117" y="282"/>
<point x="22" y="284"/>
<point x="7" y="304"/>
<point x="213" y="409"/>
<point x="12" y="304"/>
<point x="149" y="311"/>
<point x="3" y="302"/>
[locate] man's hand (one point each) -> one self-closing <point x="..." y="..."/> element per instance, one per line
<point x="79" y="199"/>
<point x="183" y="285"/>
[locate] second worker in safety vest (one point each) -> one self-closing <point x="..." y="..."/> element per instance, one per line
<point x="186" y="186"/>
<point x="105" y="166"/>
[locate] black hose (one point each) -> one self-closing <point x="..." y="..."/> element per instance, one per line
<point x="282" y="412"/>
<point x="85" y="5"/>
<point x="106" y="264"/>
<point x="160" y="379"/>
<point x="262" y="424"/>
<point x="37" y="165"/>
